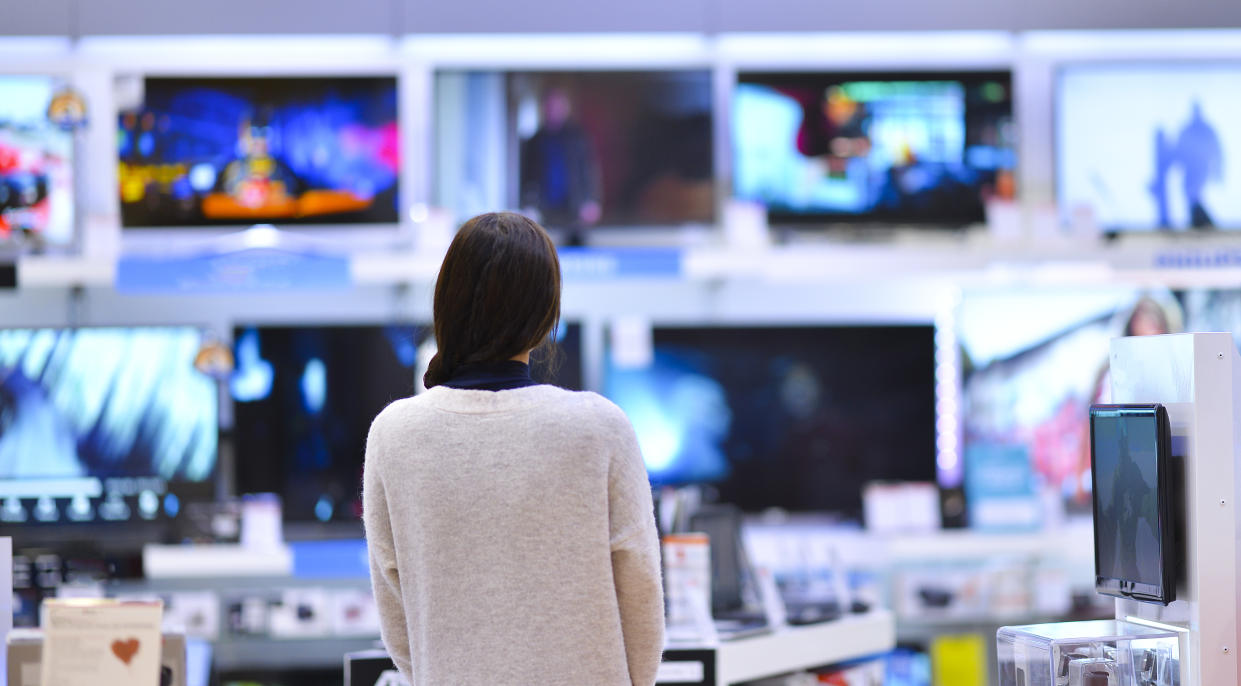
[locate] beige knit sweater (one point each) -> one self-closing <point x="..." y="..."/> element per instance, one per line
<point x="512" y="540"/>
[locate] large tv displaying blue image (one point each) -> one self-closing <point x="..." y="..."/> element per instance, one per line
<point x="98" y="412"/>
<point x="210" y="151"/>
<point x="1143" y="147"/>
<point x="799" y="418"/>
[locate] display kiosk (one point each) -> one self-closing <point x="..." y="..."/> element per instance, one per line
<point x="1192" y="640"/>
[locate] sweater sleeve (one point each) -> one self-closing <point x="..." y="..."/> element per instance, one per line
<point x="385" y="581"/>
<point x="635" y="559"/>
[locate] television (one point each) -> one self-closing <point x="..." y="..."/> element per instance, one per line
<point x="1146" y="147"/>
<point x="304" y="398"/>
<point x="927" y="148"/>
<point x="792" y="417"/>
<point x="561" y="363"/>
<point x="104" y="425"/>
<point x="1032" y="363"/>
<point x="1131" y="450"/>
<point x="214" y="151"/>
<point x="576" y="149"/>
<point x="36" y="166"/>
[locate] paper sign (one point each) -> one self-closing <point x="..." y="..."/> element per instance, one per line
<point x="101" y="643"/>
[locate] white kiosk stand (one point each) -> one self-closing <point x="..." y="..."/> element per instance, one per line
<point x="1197" y="377"/>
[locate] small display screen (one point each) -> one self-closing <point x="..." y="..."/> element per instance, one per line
<point x="219" y="151"/>
<point x="1128" y="446"/>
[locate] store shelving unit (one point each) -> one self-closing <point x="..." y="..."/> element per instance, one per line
<point x="796" y="648"/>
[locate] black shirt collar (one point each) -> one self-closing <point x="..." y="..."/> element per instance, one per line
<point x="492" y="376"/>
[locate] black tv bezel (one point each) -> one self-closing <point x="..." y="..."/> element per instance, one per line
<point x="1165" y="592"/>
<point x="871" y="221"/>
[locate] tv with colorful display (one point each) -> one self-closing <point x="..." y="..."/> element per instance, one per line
<point x="1033" y="362"/>
<point x="36" y="166"/>
<point x="874" y="148"/>
<point x="242" y="151"/>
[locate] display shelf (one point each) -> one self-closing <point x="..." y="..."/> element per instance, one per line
<point x="260" y="654"/>
<point x="796" y="648"/>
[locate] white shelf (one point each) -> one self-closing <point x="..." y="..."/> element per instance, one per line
<point x="797" y="648"/>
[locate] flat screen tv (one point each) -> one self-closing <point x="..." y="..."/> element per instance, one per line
<point x="104" y="425"/>
<point x="577" y="149"/>
<point x="1131" y="450"/>
<point x="1146" y="147"/>
<point x="304" y="398"/>
<point x="927" y="148"/>
<point x="1032" y="362"/>
<point x="792" y="417"/>
<point x="242" y="151"/>
<point x="36" y="166"/>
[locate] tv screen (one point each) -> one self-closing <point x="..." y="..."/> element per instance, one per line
<point x="560" y="365"/>
<point x="36" y="166"/>
<point x="1141" y="147"/>
<point x="240" y="151"/>
<point x="103" y="424"/>
<point x="304" y="398"/>
<point x="907" y="148"/>
<point x="576" y="149"/>
<point x="1032" y="364"/>
<point x="1131" y="450"/>
<point x="799" y="418"/>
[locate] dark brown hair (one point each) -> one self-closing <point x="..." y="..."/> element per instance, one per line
<point x="497" y="295"/>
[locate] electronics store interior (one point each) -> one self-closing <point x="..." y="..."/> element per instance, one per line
<point x="904" y="302"/>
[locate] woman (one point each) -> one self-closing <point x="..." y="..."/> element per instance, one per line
<point x="511" y="533"/>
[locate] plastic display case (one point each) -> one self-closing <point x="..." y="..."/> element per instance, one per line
<point x="1097" y="653"/>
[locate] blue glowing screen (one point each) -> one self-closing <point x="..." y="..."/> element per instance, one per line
<point x="105" y="402"/>
<point x="792" y="417"/>
<point x="304" y="399"/>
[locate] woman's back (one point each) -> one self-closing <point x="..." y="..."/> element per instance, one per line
<point x="512" y="539"/>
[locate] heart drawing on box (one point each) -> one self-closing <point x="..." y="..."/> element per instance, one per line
<point x="125" y="650"/>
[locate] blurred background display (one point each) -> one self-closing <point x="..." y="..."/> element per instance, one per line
<point x="577" y="149"/>
<point x="1033" y="362"/>
<point x="36" y="166"/>
<point x="793" y="417"/>
<point x="304" y="399"/>
<point x="211" y="151"/>
<point x="1142" y="147"/>
<point x="919" y="148"/>
<point x="103" y="424"/>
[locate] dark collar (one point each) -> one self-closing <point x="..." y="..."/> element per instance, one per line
<point x="492" y="376"/>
